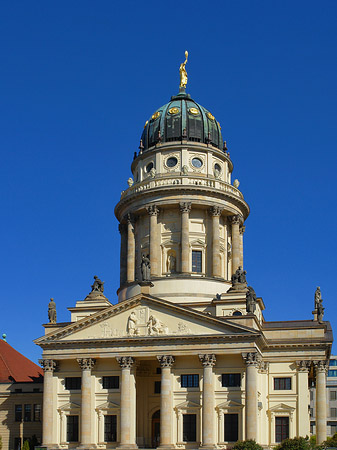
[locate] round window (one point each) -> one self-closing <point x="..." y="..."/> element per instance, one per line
<point x="197" y="162"/>
<point x="217" y="167"/>
<point x="149" y="167"/>
<point x="172" y="161"/>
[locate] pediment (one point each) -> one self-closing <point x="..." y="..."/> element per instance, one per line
<point x="229" y="404"/>
<point x="282" y="407"/>
<point x="70" y="406"/>
<point x="107" y="406"/>
<point x="145" y="316"/>
<point x="187" y="405"/>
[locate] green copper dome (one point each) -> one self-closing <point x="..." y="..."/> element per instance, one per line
<point x="182" y="119"/>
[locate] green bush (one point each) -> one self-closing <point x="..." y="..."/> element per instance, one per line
<point x="249" y="444"/>
<point x="26" y="445"/>
<point x="297" y="443"/>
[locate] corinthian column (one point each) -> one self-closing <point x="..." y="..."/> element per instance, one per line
<point x="236" y="220"/>
<point x="208" y="441"/>
<point x="242" y="229"/>
<point x="185" y="209"/>
<point x="131" y="255"/>
<point x="216" y="266"/>
<point x="303" y="422"/>
<point x="153" y="212"/>
<point x="252" y="362"/>
<point x="123" y="254"/>
<point x="321" y="368"/>
<point x="49" y="366"/>
<point x="166" y="408"/>
<point x="86" y="365"/>
<point x="128" y="437"/>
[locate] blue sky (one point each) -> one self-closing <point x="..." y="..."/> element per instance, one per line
<point x="78" y="81"/>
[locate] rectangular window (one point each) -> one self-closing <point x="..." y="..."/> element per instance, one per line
<point x="311" y="411"/>
<point x="189" y="427"/>
<point x="111" y="382"/>
<point x="333" y="362"/>
<point x="190" y="380"/>
<point x="333" y="412"/>
<point x="158" y="370"/>
<point x="311" y="395"/>
<point x="36" y="390"/>
<point x="282" y="384"/>
<point x="281" y="428"/>
<point x="333" y="429"/>
<point x="110" y="428"/>
<point x="28" y="413"/>
<point x="73" y="383"/>
<point x="37" y="413"/>
<point x="196" y="261"/>
<point x="18" y="413"/>
<point x="157" y="387"/>
<point x="333" y="395"/>
<point x="231" y="379"/>
<point x="332" y="373"/>
<point x="231" y="427"/>
<point x="72" y="428"/>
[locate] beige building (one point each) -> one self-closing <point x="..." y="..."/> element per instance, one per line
<point x="185" y="358"/>
<point x="21" y="386"/>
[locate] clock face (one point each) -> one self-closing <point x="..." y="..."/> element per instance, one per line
<point x="197" y="163"/>
<point x="156" y="115"/>
<point x="194" y="111"/>
<point x="174" y="110"/>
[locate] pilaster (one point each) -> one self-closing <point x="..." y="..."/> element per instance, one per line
<point x="153" y="212"/>
<point x="185" y="208"/>
<point x="216" y="211"/>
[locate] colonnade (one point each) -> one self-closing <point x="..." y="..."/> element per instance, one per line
<point x="128" y="245"/>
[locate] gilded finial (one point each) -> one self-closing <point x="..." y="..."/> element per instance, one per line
<point x="183" y="73"/>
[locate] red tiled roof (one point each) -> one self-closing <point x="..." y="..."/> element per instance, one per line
<point x="16" y="367"/>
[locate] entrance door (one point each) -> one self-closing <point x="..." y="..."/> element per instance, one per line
<point x="156" y="429"/>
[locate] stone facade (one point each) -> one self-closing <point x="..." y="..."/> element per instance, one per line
<point x="178" y="362"/>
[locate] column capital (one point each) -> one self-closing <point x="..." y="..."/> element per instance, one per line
<point x="236" y="219"/>
<point x="166" y="360"/>
<point x="122" y="228"/>
<point x="125" y="362"/>
<point x="130" y="218"/>
<point x="242" y="229"/>
<point x="86" y="363"/>
<point x="208" y="359"/>
<point x="152" y="210"/>
<point x="48" y="365"/>
<point x="321" y="366"/>
<point x="252" y="358"/>
<point x="263" y="367"/>
<point x="303" y="365"/>
<point x="215" y="210"/>
<point x="185" y="207"/>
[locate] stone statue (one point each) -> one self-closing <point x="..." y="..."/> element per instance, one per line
<point x="155" y="326"/>
<point x="319" y="305"/>
<point x="183" y="73"/>
<point x="171" y="263"/>
<point x="250" y="300"/>
<point x="218" y="296"/>
<point x="239" y="276"/>
<point x="98" y="285"/>
<point x="130" y="182"/>
<point x="145" y="267"/>
<point x="184" y="170"/>
<point x="52" y="311"/>
<point x="132" y="328"/>
<point x="236" y="183"/>
<point x="216" y="173"/>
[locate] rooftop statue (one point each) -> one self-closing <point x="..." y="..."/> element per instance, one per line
<point x="98" y="285"/>
<point x="319" y="310"/>
<point x="250" y="300"/>
<point x="145" y="267"/>
<point x="52" y="311"/>
<point x="183" y="73"/>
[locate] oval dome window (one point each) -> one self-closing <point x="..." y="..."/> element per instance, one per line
<point x="172" y="161"/>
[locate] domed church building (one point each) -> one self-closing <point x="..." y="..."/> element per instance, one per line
<point x="185" y="358"/>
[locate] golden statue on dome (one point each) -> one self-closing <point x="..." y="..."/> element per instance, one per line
<point x="183" y="73"/>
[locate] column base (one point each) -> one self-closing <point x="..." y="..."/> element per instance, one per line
<point x="126" y="446"/>
<point x="86" y="446"/>
<point x="207" y="447"/>
<point x="166" y="447"/>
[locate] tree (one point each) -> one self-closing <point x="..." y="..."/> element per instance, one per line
<point x="25" y="445"/>
<point x="249" y="444"/>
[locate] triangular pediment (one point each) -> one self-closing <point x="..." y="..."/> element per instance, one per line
<point x="187" y="405"/>
<point x="145" y="316"/>
<point x="107" y="406"/>
<point x="229" y="404"/>
<point x="281" y="407"/>
<point x="70" y="406"/>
